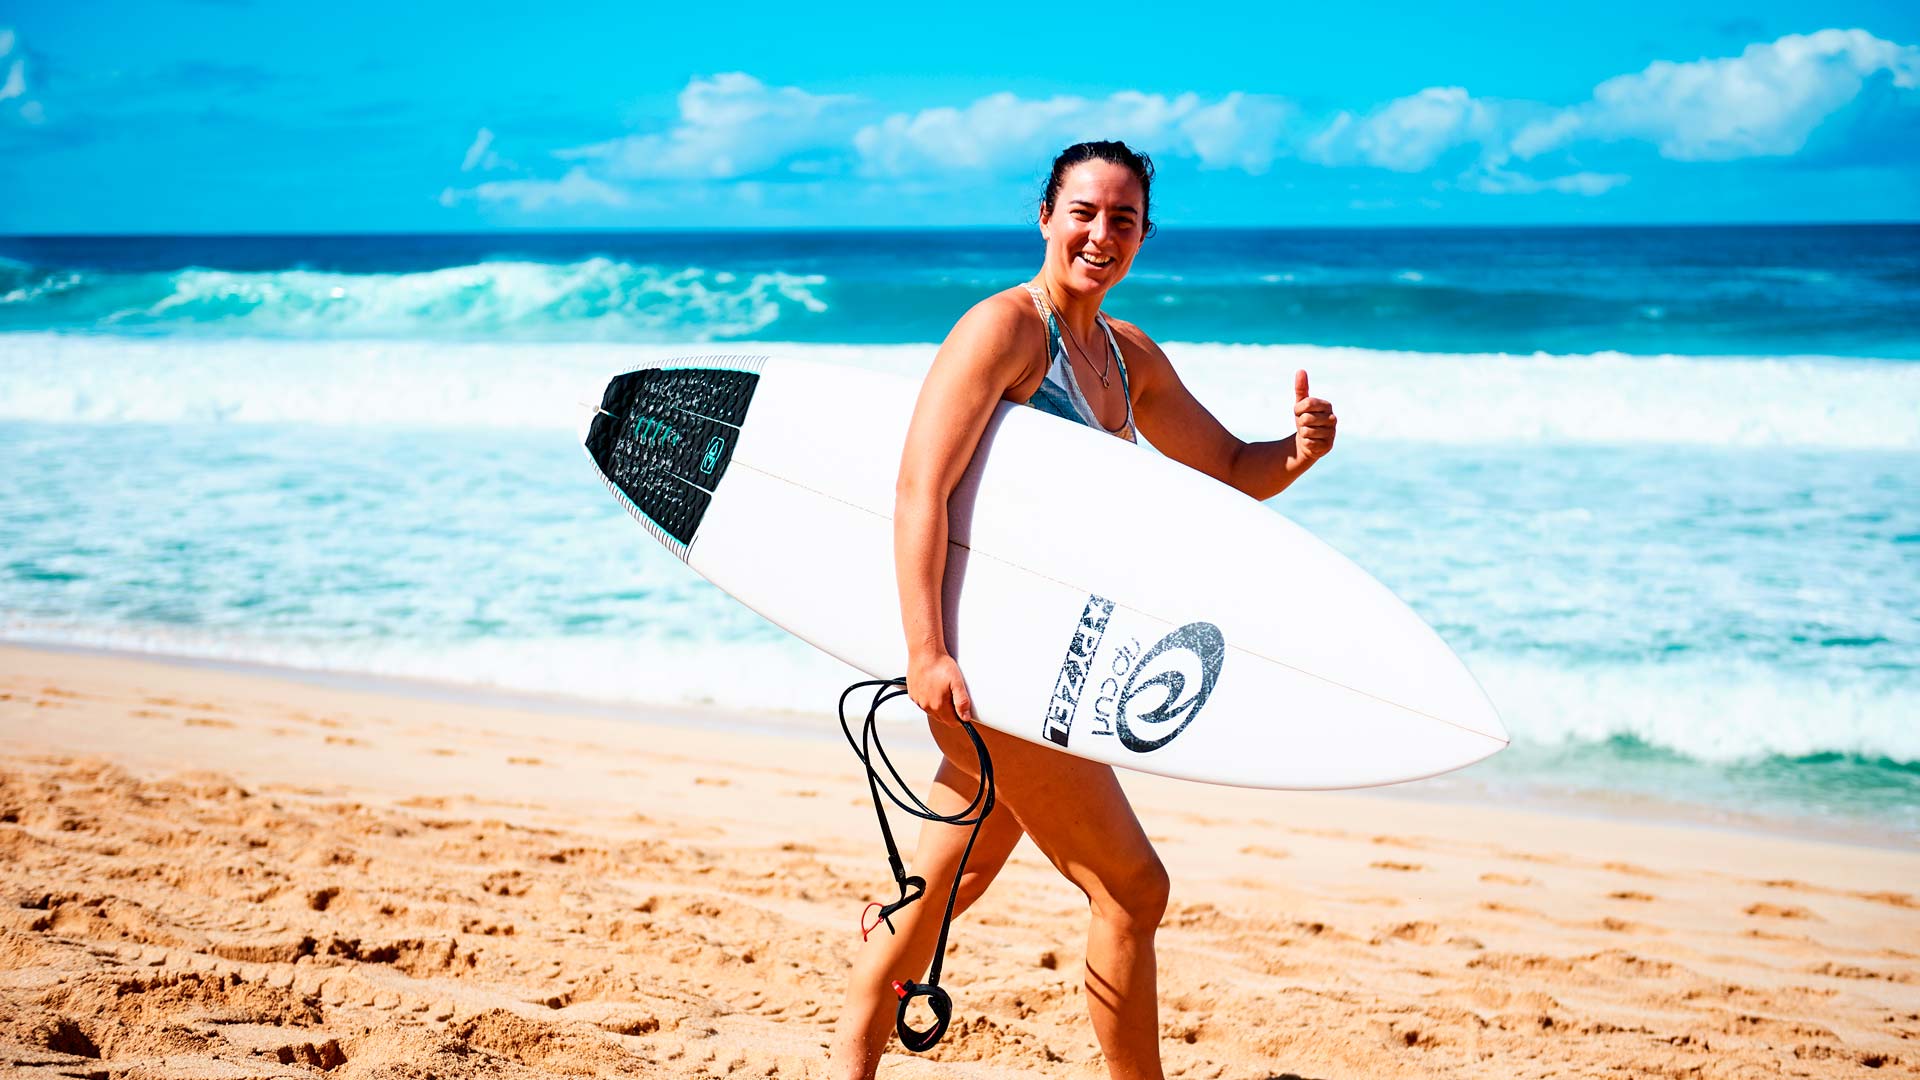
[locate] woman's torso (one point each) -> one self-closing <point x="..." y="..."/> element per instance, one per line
<point x="1060" y="393"/>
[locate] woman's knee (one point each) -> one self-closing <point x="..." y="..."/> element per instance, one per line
<point x="1135" y="897"/>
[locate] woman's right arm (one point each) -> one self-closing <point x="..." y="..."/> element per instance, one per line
<point x="979" y="362"/>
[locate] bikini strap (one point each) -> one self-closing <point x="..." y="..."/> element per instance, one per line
<point x="1046" y="316"/>
<point x="1039" y="304"/>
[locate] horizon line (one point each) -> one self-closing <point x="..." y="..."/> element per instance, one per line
<point x="825" y="229"/>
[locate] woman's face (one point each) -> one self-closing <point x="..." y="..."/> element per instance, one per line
<point x="1095" y="228"/>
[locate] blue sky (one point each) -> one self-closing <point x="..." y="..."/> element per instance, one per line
<point x="232" y="116"/>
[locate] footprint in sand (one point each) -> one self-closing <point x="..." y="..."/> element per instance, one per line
<point x="1622" y="926"/>
<point x="1506" y="879"/>
<point x="1631" y="869"/>
<point x="1851" y="971"/>
<point x="1779" y="911"/>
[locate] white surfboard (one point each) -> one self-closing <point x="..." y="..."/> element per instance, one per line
<point x="1100" y="598"/>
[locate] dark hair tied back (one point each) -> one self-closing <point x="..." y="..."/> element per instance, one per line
<point x="1114" y="153"/>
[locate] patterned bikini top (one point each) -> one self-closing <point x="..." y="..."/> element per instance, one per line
<point x="1059" y="392"/>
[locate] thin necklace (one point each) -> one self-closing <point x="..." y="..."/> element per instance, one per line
<point x="1085" y="357"/>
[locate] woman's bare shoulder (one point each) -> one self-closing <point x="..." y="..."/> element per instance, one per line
<point x="1132" y="338"/>
<point x="1001" y="332"/>
<point x="1007" y="315"/>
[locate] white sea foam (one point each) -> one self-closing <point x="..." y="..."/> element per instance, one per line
<point x="1713" y="712"/>
<point x="1603" y="398"/>
<point x="590" y="299"/>
<point x="1716" y="713"/>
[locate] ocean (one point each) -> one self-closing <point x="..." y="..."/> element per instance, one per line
<point x="1659" y="488"/>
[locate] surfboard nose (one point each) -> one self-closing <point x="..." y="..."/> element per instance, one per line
<point x="1474" y="739"/>
<point x="1472" y="708"/>
<point x="1493" y="727"/>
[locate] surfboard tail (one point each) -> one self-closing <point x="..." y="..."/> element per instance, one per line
<point x="664" y="434"/>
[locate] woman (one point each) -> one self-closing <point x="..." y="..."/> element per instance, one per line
<point x="1045" y="343"/>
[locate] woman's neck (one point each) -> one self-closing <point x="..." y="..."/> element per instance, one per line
<point x="1076" y="310"/>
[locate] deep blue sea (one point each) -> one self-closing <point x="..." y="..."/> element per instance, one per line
<point x="1660" y="488"/>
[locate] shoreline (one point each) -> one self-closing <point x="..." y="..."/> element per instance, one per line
<point x="1459" y="788"/>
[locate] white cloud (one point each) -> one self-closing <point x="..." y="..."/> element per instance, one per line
<point x="13" y="86"/>
<point x="479" y="156"/>
<point x="734" y="128"/>
<point x="1240" y="131"/>
<point x="1407" y="134"/>
<point x="1764" y="102"/>
<point x="576" y="188"/>
<point x="1767" y="100"/>
<point x="1412" y="133"/>
<point x="730" y="125"/>
<point x="993" y="132"/>
<point x="1004" y="132"/>
<point x="1543" y="135"/>
<point x="1494" y="180"/>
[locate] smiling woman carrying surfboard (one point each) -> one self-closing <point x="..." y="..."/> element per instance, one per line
<point x="1110" y="606"/>
<point x="1047" y="344"/>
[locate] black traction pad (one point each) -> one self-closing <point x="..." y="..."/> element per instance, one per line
<point x="665" y="435"/>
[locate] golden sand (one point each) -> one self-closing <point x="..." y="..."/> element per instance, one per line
<point x="216" y="874"/>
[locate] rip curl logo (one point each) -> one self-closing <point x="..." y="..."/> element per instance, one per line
<point x="1155" y="705"/>
<point x="1146" y="697"/>
<point x="712" y="457"/>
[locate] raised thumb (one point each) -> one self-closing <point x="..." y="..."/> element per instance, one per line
<point x="1299" y="385"/>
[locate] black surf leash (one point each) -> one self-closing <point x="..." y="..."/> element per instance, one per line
<point x="867" y="748"/>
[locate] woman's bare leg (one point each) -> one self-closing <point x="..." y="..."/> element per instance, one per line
<point x="1080" y="819"/>
<point x="867" y="1018"/>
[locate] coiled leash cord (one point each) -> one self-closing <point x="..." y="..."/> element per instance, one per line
<point x="867" y="748"/>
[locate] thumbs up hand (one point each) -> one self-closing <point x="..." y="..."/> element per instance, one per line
<point x="1313" y="422"/>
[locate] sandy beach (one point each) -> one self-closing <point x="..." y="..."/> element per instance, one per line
<point x="211" y="873"/>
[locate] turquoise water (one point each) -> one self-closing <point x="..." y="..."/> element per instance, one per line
<point x="1685" y="567"/>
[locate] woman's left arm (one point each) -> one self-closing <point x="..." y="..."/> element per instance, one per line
<point x="1174" y="421"/>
